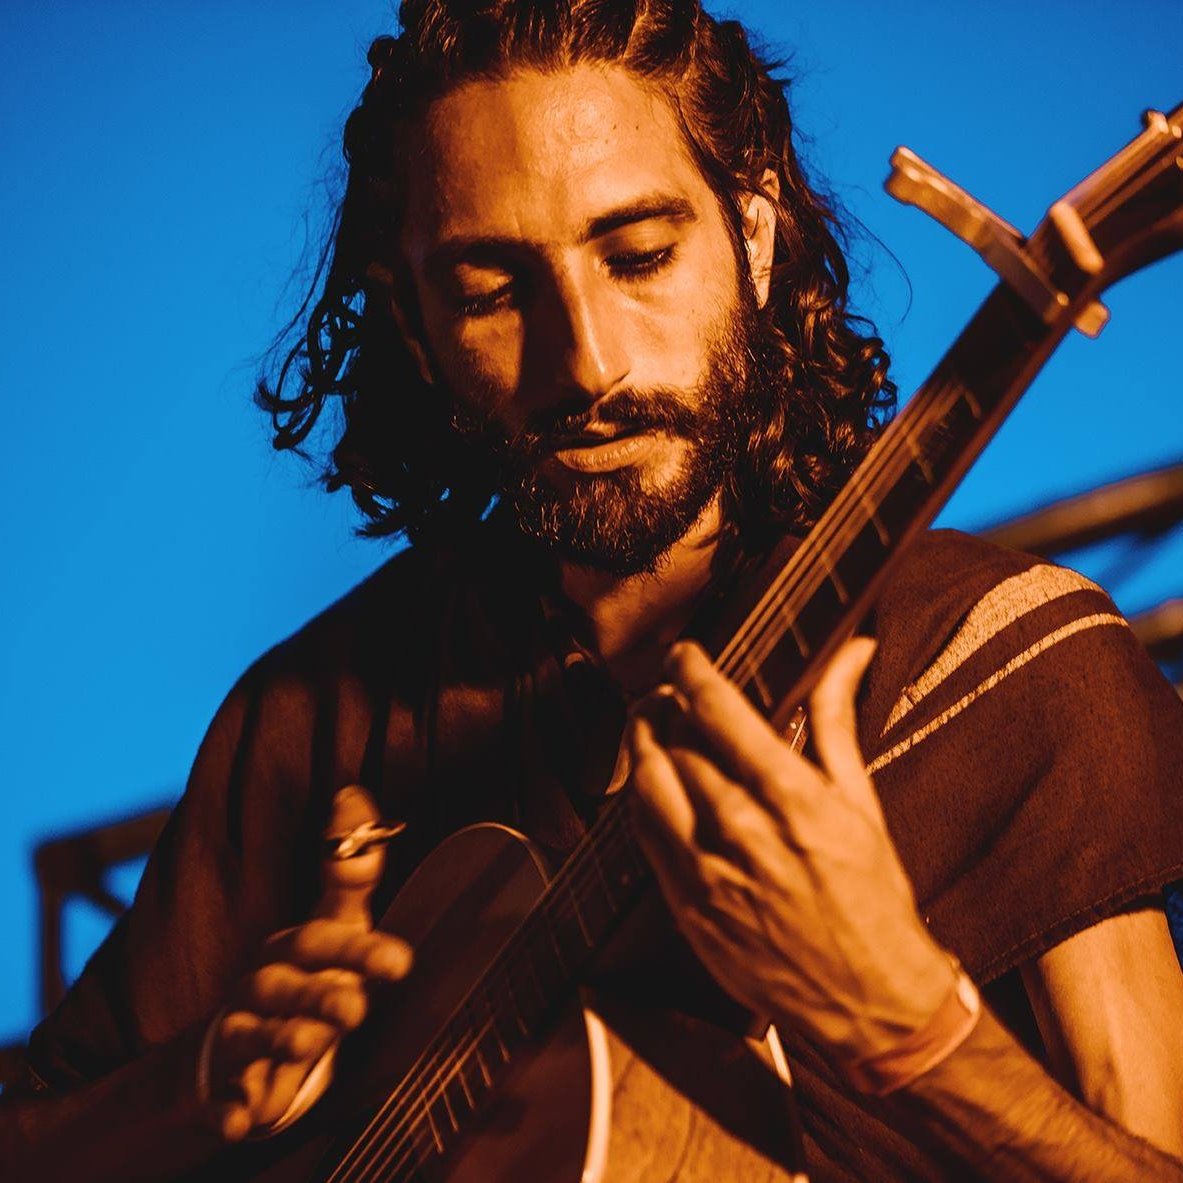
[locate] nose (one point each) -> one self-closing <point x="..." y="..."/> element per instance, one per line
<point x="591" y="354"/>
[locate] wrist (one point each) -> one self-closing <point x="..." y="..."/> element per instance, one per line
<point x="928" y="1045"/>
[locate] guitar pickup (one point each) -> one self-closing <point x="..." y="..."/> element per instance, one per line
<point x="914" y="181"/>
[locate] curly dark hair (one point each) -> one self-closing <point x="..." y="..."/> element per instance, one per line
<point x="398" y="451"/>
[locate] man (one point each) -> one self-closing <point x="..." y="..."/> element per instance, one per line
<point x="578" y="269"/>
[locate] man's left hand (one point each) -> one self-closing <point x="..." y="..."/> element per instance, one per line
<point x="780" y="872"/>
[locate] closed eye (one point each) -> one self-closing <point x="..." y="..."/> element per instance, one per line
<point x="487" y="303"/>
<point x="639" y="264"/>
<point x="631" y="266"/>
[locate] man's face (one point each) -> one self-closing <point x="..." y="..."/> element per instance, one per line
<point x="581" y="303"/>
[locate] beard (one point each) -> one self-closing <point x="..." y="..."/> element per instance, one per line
<point x="622" y="522"/>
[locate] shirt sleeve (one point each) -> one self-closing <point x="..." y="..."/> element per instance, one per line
<point x="1031" y="770"/>
<point x="220" y="879"/>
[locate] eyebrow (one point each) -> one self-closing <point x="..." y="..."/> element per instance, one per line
<point x="658" y="206"/>
<point x="655" y="207"/>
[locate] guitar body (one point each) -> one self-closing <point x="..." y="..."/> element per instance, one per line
<point x="616" y="1093"/>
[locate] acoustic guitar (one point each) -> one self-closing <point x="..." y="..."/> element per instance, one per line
<point x="498" y="1062"/>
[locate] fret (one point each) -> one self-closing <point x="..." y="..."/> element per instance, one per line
<point x="443" y="1096"/>
<point x="869" y="507"/>
<point x="839" y="587"/>
<point x="532" y="976"/>
<point x="482" y="1065"/>
<point x="633" y="868"/>
<point x="921" y="459"/>
<point x="596" y="908"/>
<point x="491" y="1048"/>
<point x="515" y="1009"/>
<point x="799" y="639"/>
<point x="827" y="563"/>
<point x="548" y="924"/>
<point x="756" y="681"/>
<point x="440" y="1118"/>
<point x="470" y="1096"/>
<point x="435" y="1134"/>
<point x="971" y="401"/>
<point x="573" y="900"/>
<point x="419" y="1146"/>
<point x="624" y="875"/>
<point x="604" y="879"/>
<point x="485" y="1019"/>
<point x="455" y="1095"/>
<point x="547" y="970"/>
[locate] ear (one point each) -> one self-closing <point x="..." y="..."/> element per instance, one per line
<point x="384" y="277"/>
<point x="411" y="340"/>
<point x="759" y="233"/>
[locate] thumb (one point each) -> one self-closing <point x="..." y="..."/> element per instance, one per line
<point x="831" y="712"/>
<point x="346" y="884"/>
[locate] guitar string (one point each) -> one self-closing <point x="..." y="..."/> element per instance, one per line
<point x="885" y="463"/>
<point x="793" y="600"/>
<point x="800" y="580"/>
<point x="436" y="1069"/>
<point x="436" y="1088"/>
<point x="559" y="903"/>
<point x="444" y="1072"/>
<point x="617" y="836"/>
<point x="1124" y="170"/>
<point x="897" y="442"/>
<point x="762" y="630"/>
<point x="823" y="560"/>
<point x="941" y="396"/>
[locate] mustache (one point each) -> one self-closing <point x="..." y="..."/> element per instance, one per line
<point x="630" y="410"/>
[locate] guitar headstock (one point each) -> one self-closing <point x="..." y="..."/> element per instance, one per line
<point x="1120" y="218"/>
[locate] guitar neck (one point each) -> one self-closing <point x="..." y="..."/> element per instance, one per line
<point x="793" y="621"/>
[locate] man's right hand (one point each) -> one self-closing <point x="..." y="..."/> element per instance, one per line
<point x="308" y="990"/>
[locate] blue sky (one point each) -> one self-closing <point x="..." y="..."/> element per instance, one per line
<point x="164" y="166"/>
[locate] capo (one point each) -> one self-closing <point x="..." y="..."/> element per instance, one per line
<point x="915" y="182"/>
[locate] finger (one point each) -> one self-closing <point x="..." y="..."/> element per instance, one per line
<point x="659" y="792"/>
<point x="334" y="996"/>
<point x="346" y="884"/>
<point x="334" y="944"/>
<point x="832" y="714"/>
<point x="254" y="1081"/>
<point x="728" y="818"/>
<point x="234" y="1120"/>
<point x="305" y="1040"/>
<point x="282" y="1084"/>
<point x="744" y="740"/>
<point x="241" y="1037"/>
<point x="668" y="853"/>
